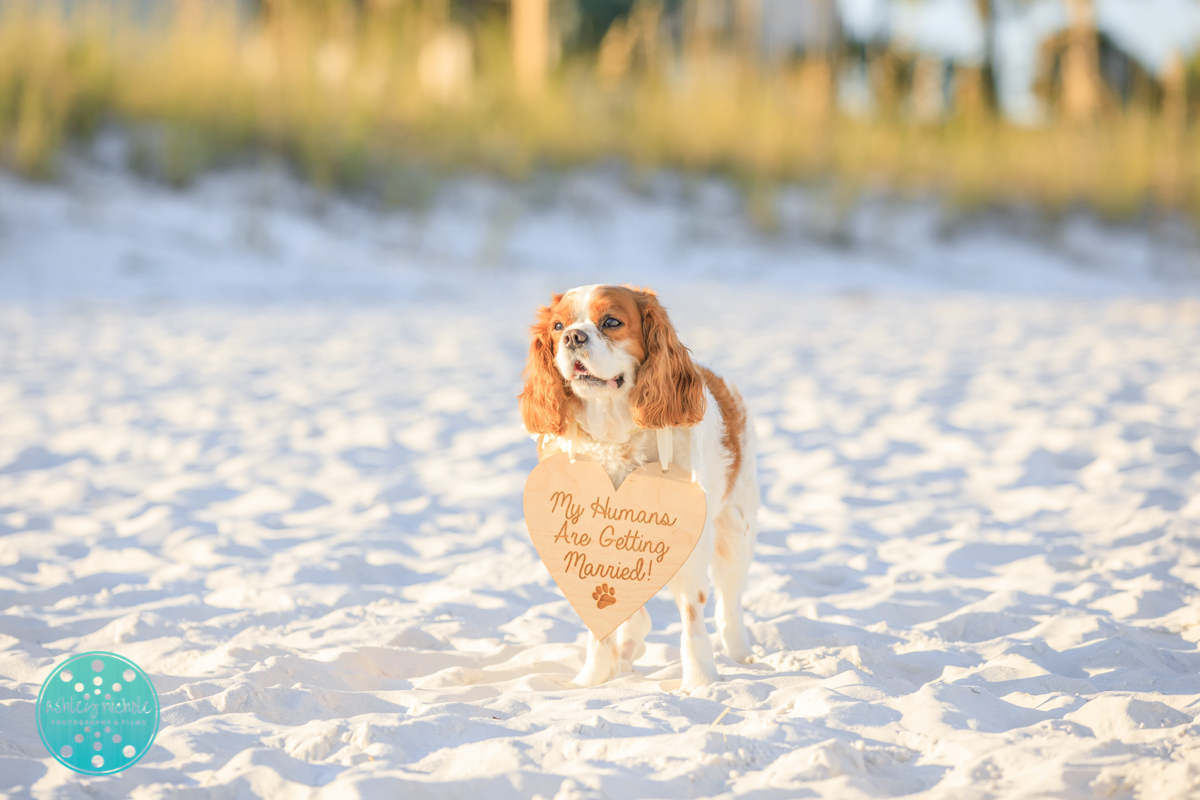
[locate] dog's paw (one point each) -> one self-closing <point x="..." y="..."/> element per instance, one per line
<point x="691" y="687"/>
<point x="698" y="680"/>
<point x="604" y="595"/>
<point x="593" y="675"/>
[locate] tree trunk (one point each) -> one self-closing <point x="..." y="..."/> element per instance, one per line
<point x="1174" y="82"/>
<point x="986" y="79"/>
<point x="1081" y="64"/>
<point x="531" y="45"/>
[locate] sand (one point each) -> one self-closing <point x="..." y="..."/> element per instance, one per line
<point x="267" y="446"/>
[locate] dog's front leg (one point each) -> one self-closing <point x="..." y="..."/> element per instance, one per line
<point x="602" y="663"/>
<point x="691" y="589"/>
<point x="631" y="637"/>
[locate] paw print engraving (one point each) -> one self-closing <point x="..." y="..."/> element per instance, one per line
<point x="604" y="595"/>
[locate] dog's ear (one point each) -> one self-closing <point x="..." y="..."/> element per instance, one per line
<point x="544" y="400"/>
<point x="669" y="392"/>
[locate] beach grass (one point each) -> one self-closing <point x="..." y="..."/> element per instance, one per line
<point x="387" y="96"/>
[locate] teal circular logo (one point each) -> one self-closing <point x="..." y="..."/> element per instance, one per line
<point x="97" y="713"/>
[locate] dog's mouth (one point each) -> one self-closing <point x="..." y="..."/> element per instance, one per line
<point x="581" y="373"/>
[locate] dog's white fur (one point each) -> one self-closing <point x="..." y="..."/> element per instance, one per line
<point x="607" y="403"/>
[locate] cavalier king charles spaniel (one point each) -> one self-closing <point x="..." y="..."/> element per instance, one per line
<point x="606" y="373"/>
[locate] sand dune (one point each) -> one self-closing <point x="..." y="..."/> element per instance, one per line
<point x="269" y="450"/>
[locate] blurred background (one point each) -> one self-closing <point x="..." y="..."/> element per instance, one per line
<point x="984" y="103"/>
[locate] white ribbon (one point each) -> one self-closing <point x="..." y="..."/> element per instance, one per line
<point x="664" y="448"/>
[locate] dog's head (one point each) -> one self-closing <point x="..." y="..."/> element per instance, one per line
<point x="609" y="342"/>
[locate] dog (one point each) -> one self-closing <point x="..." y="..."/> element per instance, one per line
<point x="606" y="372"/>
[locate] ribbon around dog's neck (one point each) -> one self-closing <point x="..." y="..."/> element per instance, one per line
<point x="665" y="444"/>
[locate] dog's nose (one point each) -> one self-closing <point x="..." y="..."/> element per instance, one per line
<point x="574" y="338"/>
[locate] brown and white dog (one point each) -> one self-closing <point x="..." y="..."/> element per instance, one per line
<point x="608" y="359"/>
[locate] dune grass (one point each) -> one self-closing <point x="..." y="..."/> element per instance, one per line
<point x="345" y="92"/>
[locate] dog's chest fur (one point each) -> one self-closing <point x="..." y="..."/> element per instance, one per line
<point x="619" y="459"/>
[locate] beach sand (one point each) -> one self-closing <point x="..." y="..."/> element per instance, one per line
<point x="267" y="446"/>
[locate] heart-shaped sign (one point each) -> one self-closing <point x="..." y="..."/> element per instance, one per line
<point x="610" y="550"/>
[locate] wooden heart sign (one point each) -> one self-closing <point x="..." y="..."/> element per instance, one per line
<point x="610" y="550"/>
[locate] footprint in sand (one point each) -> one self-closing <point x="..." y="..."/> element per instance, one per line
<point x="604" y="595"/>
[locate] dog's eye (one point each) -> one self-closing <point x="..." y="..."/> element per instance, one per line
<point x="610" y="322"/>
<point x="558" y="326"/>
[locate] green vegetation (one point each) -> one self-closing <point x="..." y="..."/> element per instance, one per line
<point x="385" y="96"/>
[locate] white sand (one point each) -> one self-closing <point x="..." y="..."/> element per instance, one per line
<point x="272" y="454"/>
